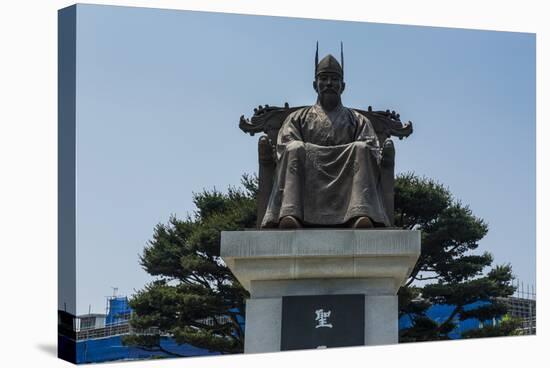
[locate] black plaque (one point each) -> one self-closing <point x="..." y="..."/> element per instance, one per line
<point x="322" y="321"/>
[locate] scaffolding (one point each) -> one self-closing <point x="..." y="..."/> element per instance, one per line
<point x="523" y="305"/>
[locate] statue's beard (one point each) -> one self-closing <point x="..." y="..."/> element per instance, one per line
<point x="329" y="100"/>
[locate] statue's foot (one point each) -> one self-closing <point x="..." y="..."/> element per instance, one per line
<point x="362" y="222"/>
<point x="289" y="222"/>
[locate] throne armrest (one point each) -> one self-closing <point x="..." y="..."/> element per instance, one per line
<point x="387" y="172"/>
<point x="266" y="172"/>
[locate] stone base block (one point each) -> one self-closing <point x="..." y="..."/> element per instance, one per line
<point x="275" y="264"/>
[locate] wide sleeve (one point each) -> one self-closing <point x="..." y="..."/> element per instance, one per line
<point x="365" y="133"/>
<point x="290" y="131"/>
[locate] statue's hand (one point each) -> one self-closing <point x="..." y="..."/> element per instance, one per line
<point x="388" y="153"/>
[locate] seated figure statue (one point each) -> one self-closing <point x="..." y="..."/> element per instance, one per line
<point x="328" y="162"/>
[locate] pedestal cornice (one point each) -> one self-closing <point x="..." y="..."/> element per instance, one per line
<point x="263" y="255"/>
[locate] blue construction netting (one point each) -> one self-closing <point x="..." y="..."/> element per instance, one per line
<point x="440" y="312"/>
<point x="118" y="310"/>
<point x="111" y="348"/>
<point x="239" y="317"/>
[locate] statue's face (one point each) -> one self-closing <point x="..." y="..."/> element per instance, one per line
<point x="327" y="84"/>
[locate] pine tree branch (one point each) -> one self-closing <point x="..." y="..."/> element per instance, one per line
<point x="427" y="278"/>
<point x="200" y="280"/>
<point x="414" y="272"/>
<point x="449" y="319"/>
<point x="411" y="280"/>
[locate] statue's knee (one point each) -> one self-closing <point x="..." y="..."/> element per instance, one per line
<point x="360" y="146"/>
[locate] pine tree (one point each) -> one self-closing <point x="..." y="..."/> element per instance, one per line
<point x="195" y="298"/>
<point x="450" y="232"/>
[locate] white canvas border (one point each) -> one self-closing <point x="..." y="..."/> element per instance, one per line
<point x="28" y="147"/>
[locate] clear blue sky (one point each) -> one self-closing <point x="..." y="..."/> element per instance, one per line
<point x="160" y="92"/>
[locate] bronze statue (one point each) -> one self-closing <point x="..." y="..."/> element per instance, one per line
<point x="326" y="164"/>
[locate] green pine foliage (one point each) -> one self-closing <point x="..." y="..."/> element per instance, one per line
<point x="508" y="326"/>
<point x="448" y="270"/>
<point x="193" y="286"/>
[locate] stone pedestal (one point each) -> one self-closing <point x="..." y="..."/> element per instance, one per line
<point x="272" y="264"/>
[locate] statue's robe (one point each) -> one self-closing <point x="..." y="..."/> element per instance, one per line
<point x="328" y="169"/>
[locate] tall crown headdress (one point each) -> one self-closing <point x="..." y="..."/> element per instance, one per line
<point x="329" y="62"/>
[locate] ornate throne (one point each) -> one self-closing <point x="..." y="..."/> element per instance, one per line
<point x="268" y="120"/>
